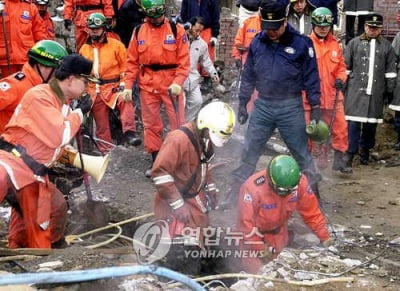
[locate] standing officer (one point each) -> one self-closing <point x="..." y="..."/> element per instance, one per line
<point x="77" y="11"/>
<point x="42" y="6"/>
<point x="280" y="64"/>
<point x="332" y="72"/>
<point x="300" y="15"/>
<point x="158" y="58"/>
<point x="109" y="65"/>
<point x="371" y="65"/>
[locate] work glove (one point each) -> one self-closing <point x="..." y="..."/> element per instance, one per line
<point x="175" y="89"/>
<point x="126" y="95"/>
<point x="315" y="113"/>
<point x="85" y="104"/>
<point x="329" y="242"/>
<point x="110" y="24"/>
<point x="238" y="64"/>
<point x="339" y="84"/>
<point x="242" y="114"/>
<point x="269" y="252"/>
<point x="183" y="213"/>
<point x="2" y="7"/>
<point x="213" y="41"/>
<point x="67" y="24"/>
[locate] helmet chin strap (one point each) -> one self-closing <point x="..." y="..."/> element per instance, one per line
<point x="45" y="81"/>
<point x="98" y="38"/>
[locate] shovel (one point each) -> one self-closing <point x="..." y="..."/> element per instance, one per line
<point x="95" y="211"/>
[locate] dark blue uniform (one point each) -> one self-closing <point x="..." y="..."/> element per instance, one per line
<point x="279" y="72"/>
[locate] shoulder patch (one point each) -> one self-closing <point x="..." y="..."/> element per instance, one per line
<point x="260" y="180"/>
<point x="19" y="76"/>
<point x="311" y="52"/>
<point x="4" y="86"/>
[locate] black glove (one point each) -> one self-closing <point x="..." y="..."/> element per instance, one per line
<point x="238" y="64"/>
<point x="315" y="114"/>
<point x="242" y="114"/>
<point x="67" y="23"/>
<point x="339" y="84"/>
<point x="109" y="25"/>
<point x="85" y="104"/>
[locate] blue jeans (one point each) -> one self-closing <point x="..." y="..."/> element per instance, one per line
<point x="288" y="116"/>
<point x="361" y="135"/>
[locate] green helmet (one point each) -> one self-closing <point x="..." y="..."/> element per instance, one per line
<point x="48" y="53"/>
<point x="96" y="20"/>
<point x="322" y="16"/>
<point x="153" y="8"/>
<point x="284" y="174"/>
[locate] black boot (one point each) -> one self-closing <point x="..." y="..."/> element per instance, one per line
<point x="348" y="163"/>
<point x="148" y="171"/>
<point x="130" y="138"/>
<point x="230" y="200"/>
<point x="397" y="145"/>
<point x="338" y="162"/>
<point x="364" y="156"/>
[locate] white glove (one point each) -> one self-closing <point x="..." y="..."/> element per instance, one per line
<point x="213" y="41"/>
<point x="126" y="95"/>
<point x="2" y="7"/>
<point x="175" y="89"/>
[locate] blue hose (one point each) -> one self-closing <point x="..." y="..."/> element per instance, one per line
<point x="95" y="274"/>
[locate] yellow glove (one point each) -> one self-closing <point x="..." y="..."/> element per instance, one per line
<point x="126" y="95"/>
<point x="175" y="89"/>
<point x="327" y="243"/>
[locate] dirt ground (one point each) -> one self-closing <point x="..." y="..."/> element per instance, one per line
<point x="362" y="210"/>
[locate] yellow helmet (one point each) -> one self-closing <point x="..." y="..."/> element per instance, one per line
<point x="219" y="118"/>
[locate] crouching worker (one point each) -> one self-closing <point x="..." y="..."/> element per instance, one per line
<point x="266" y="202"/>
<point x="185" y="193"/>
<point x="40" y="128"/>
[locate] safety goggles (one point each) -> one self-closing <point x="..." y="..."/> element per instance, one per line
<point x="95" y="21"/>
<point x="323" y="19"/>
<point x="284" y="191"/>
<point x="155" y="12"/>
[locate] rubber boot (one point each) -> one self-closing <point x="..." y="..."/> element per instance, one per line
<point x="364" y="156"/>
<point x="230" y="200"/>
<point x="348" y="163"/>
<point x="148" y="171"/>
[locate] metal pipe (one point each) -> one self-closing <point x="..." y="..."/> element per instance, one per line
<point x="96" y="274"/>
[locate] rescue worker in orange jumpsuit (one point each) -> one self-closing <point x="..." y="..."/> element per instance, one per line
<point x="185" y="193"/>
<point x="42" y="6"/>
<point x="42" y="126"/>
<point x="158" y="58"/>
<point x="332" y="73"/>
<point x="109" y="65"/>
<point x="77" y="11"/>
<point x="245" y="34"/>
<point x="21" y="27"/>
<point x="44" y="58"/>
<point x="266" y="202"/>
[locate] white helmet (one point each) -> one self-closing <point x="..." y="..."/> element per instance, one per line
<point x="219" y="118"/>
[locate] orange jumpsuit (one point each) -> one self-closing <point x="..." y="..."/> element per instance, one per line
<point x="331" y="66"/>
<point x="48" y="22"/>
<point x="109" y="64"/>
<point x="263" y="216"/>
<point x="173" y="168"/>
<point x="24" y="27"/>
<point x="245" y="34"/>
<point x="79" y="10"/>
<point x="156" y="59"/>
<point x="43" y="124"/>
<point x="12" y="88"/>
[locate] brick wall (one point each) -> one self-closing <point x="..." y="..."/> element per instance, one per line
<point x="388" y="8"/>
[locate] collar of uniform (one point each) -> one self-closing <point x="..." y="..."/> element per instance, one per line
<point x="365" y="37"/>
<point x="56" y="88"/>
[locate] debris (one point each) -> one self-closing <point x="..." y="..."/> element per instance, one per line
<point x="51" y="265"/>
<point x="351" y="262"/>
<point x="360" y="202"/>
<point x="365" y="226"/>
